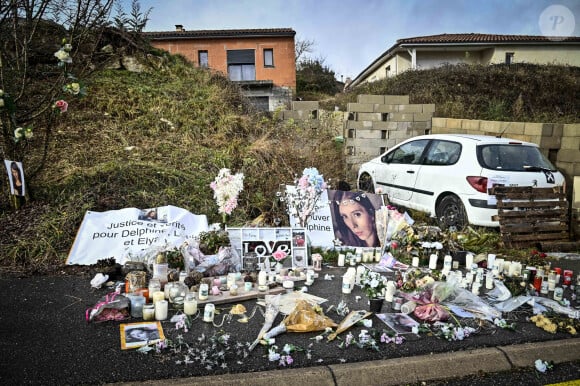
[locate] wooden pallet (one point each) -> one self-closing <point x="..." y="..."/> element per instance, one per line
<point x="528" y="215"/>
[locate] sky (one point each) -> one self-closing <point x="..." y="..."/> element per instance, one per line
<point x="349" y="34"/>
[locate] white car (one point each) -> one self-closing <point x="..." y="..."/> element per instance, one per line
<point x="448" y="175"/>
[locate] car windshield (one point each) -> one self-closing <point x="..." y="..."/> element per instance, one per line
<point x="513" y="157"/>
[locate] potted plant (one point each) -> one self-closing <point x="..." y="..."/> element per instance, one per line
<point x="211" y="241"/>
<point x="373" y="285"/>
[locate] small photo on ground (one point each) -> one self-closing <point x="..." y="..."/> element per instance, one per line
<point x="134" y="335"/>
<point x="400" y="323"/>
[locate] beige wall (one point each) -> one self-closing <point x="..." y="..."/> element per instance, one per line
<point x="538" y="55"/>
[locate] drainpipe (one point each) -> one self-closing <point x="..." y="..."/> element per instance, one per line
<point x="413" y="53"/>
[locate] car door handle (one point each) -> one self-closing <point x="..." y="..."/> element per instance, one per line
<point x="411" y="171"/>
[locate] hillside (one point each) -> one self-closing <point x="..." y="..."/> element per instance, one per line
<point x="515" y="93"/>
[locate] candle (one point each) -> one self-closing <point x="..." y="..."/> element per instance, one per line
<point x="248" y="286"/>
<point x="468" y="260"/>
<point x="377" y="254"/>
<point x="288" y="285"/>
<point x="157" y="296"/>
<point x="489" y="280"/>
<point x="513" y="269"/>
<point x="160" y="272"/>
<point x="469" y="277"/>
<point x="190" y="304"/>
<point x="182" y="276"/>
<point x="161" y="309"/>
<point x="208" y="313"/>
<point x="433" y="261"/>
<point x="447" y="263"/>
<point x="360" y="270"/>
<point x="154" y="286"/>
<point x="203" y="291"/>
<point x="262" y="278"/>
<point x="497" y="266"/>
<point x="490" y="260"/>
<point x="137" y="302"/>
<point x="475" y="288"/>
<point x="148" y="312"/>
<point x="341" y="259"/>
<point x="309" y="277"/>
<point x="408" y="307"/>
<point x="234" y="290"/>
<point x="346" y="283"/>
<point x="390" y="291"/>
<point x="415" y="262"/>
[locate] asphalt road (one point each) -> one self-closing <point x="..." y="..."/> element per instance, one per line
<point x="44" y="338"/>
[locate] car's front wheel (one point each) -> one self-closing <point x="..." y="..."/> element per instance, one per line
<point x="365" y="183"/>
<point x="451" y="213"/>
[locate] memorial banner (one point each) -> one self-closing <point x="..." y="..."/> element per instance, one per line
<point x="128" y="232"/>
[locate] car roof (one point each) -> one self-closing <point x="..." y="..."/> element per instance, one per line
<point x="477" y="139"/>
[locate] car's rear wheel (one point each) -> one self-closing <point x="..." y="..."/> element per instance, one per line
<point x="451" y="213"/>
<point x="365" y="183"/>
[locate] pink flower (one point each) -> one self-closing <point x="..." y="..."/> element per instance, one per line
<point x="279" y="255"/>
<point x="62" y="105"/>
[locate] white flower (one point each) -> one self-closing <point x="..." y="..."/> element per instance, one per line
<point x="63" y="56"/>
<point x="273" y="356"/>
<point x="541" y="365"/>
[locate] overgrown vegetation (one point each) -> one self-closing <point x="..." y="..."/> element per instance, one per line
<point x="516" y="92"/>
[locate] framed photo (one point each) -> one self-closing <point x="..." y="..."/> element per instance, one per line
<point x="399" y="322"/>
<point x="258" y="244"/>
<point x="300" y="258"/>
<point x="135" y="335"/>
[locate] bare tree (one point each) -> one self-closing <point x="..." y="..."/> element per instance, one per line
<point x="33" y="33"/>
<point x="302" y="47"/>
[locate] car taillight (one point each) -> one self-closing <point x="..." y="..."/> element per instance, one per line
<point x="478" y="183"/>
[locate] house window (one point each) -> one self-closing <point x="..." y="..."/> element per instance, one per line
<point x="241" y="65"/>
<point x="388" y="71"/>
<point x="509" y="57"/>
<point x="268" y="57"/>
<point x="202" y="59"/>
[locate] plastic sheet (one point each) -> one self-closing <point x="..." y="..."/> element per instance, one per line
<point x="512" y="303"/>
<point x="556" y="307"/>
<point x="305" y="318"/>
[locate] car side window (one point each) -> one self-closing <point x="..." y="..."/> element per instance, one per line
<point x="409" y="153"/>
<point x="442" y="153"/>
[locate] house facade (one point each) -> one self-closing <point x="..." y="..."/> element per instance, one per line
<point x="262" y="61"/>
<point x="427" y="52"/>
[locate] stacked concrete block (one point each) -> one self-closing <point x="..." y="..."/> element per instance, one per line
<point x="568" y="158"/>
<point x="303" y="113"/>
<point x="378" y="122"/>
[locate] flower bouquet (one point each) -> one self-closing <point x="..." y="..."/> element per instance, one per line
<point x="373" y="284"/>
<point x="302" y="198"/>
<point x="226" y="188"/>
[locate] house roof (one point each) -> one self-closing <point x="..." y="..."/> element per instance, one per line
<point x="463" y="39"/>
<point x="483" y="38"/>
<point x="221" y="33"/>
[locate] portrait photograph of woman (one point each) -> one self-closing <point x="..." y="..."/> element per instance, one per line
<point x="16" y="177"/>
<point x="353" y="217"/>
<point x="135" y="335"/>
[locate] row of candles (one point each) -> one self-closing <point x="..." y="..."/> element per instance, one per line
<point x="543" y="282"/>
<point x="162" y="293"/>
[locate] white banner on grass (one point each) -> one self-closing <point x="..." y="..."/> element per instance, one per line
<point x="131" y="231"/>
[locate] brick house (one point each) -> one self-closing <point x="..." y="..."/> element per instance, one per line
<point x="262" y="61"/>
<point x="426" y="52"/>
